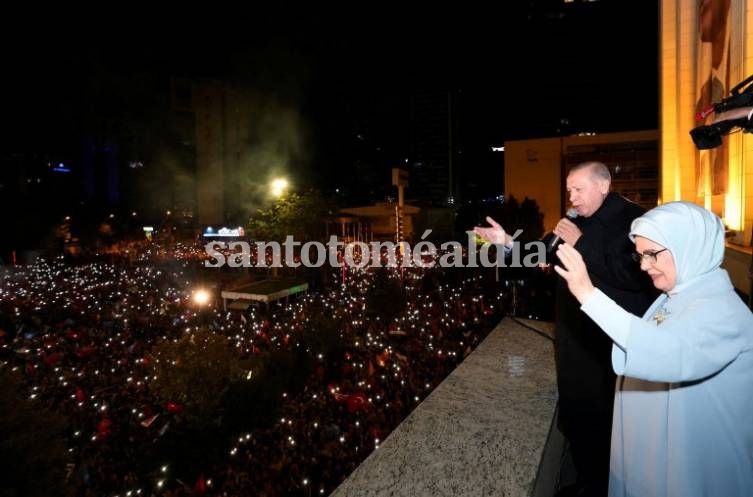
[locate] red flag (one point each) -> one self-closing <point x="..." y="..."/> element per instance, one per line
<point x="356" y="402"/>
<point x="52" y="359"/>
<point x="80" y="396"/>
<point x="104" y="428"/>
<point x="201" y="485"/>
<point x="375" y="432"/>
<point x="85" y="351"/>
<point x="320" y="372"/>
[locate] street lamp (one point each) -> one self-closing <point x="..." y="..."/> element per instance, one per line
<point x="201" y="298"/>
<point x="278" y="187"/>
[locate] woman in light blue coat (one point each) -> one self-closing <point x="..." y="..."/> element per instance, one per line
<point x="683" y="412"/>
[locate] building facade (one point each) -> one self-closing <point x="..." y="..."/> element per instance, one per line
<point x="706" y="50"/>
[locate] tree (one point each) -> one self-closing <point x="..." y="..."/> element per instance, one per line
<point x="194" y="373"/>
<point x="303" y="216"/>
<point x="255" y="403"/>
<point x="32" y="447"/>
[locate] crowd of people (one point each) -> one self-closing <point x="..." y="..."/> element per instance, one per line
<point x="83" y="334"/>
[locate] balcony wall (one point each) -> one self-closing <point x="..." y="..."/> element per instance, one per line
<point x="486" y="430"/>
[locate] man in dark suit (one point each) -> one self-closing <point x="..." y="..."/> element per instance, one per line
<point x="585" y="378"/>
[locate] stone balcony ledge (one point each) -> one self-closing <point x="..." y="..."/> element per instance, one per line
<point x="486" y="430"/>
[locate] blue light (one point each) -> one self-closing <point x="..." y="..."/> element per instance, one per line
<point x="60" y="168"/>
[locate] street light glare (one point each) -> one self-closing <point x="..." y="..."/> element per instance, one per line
<point x="279" y="186"/>
<point x="201" y="297"/>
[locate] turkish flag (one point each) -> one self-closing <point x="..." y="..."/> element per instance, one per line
<point x="104" y="428"/>
<point x="201" y="485"/>
<point x="52" y="359"/>
<point x="85" y="351"/>
<point x="356" y="402"/>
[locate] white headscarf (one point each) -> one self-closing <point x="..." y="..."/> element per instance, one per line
<point x="694" y="235"/>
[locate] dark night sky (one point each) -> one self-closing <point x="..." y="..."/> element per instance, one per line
<point x="518" y="69"/>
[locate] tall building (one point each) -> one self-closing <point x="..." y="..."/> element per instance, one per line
<point x="228" y="176"/>
<point x="209" y="110"/>
<point x="433" y="148"/>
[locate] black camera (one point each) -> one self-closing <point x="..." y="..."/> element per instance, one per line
<point x="710" y="136"/>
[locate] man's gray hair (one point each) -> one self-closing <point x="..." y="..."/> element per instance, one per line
<point x="598" y="169"/>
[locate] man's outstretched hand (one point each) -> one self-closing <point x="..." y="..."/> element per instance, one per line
<point x="495" y="233"/>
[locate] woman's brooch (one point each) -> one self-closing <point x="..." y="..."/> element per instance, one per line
<point x="660" y="316"/>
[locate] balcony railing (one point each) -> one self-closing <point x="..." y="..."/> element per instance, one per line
<point x="487" y="429"/>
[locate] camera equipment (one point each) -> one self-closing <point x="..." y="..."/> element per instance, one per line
<point x="710" y="136"/>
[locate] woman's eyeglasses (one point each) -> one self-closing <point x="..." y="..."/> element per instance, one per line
<point x="648" y="255"/>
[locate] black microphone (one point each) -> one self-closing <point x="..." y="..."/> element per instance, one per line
<point x="571" y="213"/>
